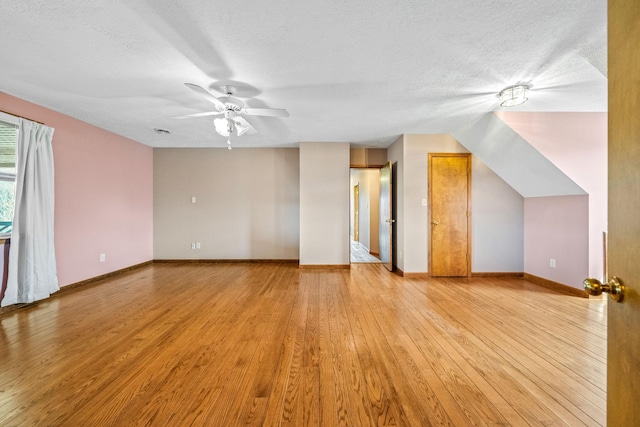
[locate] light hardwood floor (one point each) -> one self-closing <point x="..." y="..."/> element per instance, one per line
<point x="269" y="344"/>
<point x="360" y="254"/>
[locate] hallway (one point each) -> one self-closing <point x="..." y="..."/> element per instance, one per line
<point x="359" y="254"/>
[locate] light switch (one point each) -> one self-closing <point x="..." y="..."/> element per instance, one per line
<point x="424" y="202"/>
<point x="193" y="199"/>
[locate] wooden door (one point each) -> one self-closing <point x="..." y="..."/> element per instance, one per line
<point x="449" y="191"/>
<point x="356" y="213"/>
<point x="623" y="355"/>
<point x="385" y="229"/>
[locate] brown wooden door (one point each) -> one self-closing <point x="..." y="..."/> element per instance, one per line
<point x="623" y="355"/>
<point x="385" y="229"/>
<point x="449" y="190"/>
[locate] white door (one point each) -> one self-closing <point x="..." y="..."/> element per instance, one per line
<point x="386" y="217"/>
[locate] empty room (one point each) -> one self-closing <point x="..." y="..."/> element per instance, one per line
<point x="319" y="214"/>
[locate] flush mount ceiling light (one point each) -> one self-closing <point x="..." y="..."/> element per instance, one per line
<point x="514" y="95"/>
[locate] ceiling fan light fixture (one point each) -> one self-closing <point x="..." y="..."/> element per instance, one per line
<point x="226" y="127"/>
<point x="232" y="109"/>
<point x="514" y="95"/>
<point x="222" y="126"/>
<point x="241" y="129"/>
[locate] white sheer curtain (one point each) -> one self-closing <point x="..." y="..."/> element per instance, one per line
<point x="32" y="260"/>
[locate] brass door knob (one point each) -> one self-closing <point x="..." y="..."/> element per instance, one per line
<point x="435" y="222"/>
<point x="613" y="287"/>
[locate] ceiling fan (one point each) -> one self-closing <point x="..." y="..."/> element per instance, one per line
<point x="232" y="109"/>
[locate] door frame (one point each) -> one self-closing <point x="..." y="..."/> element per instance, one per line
<point x="429" y="225"/>
<point x="351" y="214"/>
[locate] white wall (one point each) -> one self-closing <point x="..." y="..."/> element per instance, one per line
<point x="294" y="204"/>
<point x="497" y="223"/>
<point x="354" y="179"/>
<point x="324" y="203"/>
<point x="364" y="216"/>
<point x="247" y="203"/>
<point x="497" y="226"/>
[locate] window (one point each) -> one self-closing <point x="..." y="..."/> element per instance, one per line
<point x="8" y="138"/>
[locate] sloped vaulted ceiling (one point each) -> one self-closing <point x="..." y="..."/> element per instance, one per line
<point x="516" y="161"/>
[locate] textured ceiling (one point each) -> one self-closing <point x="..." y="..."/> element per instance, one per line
<point x="362" y="71"/>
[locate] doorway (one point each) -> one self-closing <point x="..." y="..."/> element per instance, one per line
<point x="365" y="212"/>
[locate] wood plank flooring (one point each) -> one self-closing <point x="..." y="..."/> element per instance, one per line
<point x="270" y="344"/>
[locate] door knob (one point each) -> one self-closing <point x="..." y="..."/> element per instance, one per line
<point x="390" y="221"/>
<point x="435" y="222"/>
<point x="614" y="287"/>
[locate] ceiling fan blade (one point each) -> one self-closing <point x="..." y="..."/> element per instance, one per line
<point x="202" y="91"/>
<point x="269" y="112"/>
<point x="207" y="113"/>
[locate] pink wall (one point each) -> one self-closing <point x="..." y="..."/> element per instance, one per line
<point x="104" y="195"/>
<point x="556" y="227"/>
<point x="577" y="144"/>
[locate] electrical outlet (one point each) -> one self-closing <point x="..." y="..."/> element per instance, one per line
<point x="552" y="262"/>
<point x="193" y="246"/>
<point x="103" y="257"/>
